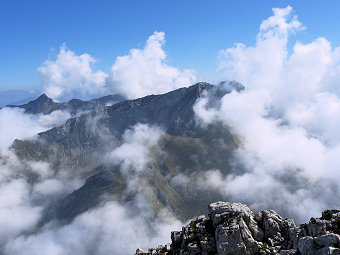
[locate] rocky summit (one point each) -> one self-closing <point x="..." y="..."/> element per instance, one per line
<point x="233" y="229"/>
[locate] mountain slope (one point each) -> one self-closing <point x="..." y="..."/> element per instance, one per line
<point x="185" y="151"/>
<point x="80" y="138"/>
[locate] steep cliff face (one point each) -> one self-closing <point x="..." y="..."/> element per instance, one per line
<point x="233" y="229"/>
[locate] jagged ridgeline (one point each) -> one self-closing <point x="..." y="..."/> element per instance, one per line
<point x="46" y="105"/>
<point x="185" y="147"/>
<point x="233" y="229"/>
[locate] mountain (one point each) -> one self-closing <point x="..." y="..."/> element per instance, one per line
<point x="233" y="229"/>
<point x="185" y="149"/>
<point x="45" y="105"/>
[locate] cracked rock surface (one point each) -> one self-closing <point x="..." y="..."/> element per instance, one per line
<point x="233" y="229"/>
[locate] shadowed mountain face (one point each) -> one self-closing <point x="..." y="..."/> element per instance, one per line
<point x="179" y="159"/>
<point x="45" y="105"/>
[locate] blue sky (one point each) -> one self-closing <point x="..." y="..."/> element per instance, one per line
<point x="195" y="31"/>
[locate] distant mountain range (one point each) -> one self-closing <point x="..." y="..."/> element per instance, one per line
<point x="45" y="105"/>
<point x="16" y="97"/>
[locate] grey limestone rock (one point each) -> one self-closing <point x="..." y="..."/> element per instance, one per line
<point x="307" y="246"/>
<point x="328" y="250"/>
<point x="328" y="239"/>
<point x="233" y="229"/>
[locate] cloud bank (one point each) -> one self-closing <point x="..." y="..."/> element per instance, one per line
<point x="287" y="119"/>
<point x="21" y="202"/>
<point x="101" y="231"/>
<point x="140" y="73"/>
<point x="28" y="187"/>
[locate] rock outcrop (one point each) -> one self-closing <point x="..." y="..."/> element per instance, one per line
<point x="233" y="229"/>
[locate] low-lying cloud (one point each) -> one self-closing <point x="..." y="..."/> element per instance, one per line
<point x="15" y="124"/>
<point x="111" y="226"/>
<point x="20" y="210"/>
<point x="136" y="151"/>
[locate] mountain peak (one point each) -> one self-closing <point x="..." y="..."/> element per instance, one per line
<point x="40" y="105"/>
<point x="43" y="98"/>
<point x="229" y="86"/>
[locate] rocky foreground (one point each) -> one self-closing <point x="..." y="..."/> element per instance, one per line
<point x="233" y="229"/>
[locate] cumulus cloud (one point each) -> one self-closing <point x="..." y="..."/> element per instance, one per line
<point x="140" y="73"/>
<point x="145" y="71"/>
<point x="286" y="119"/>
<point x="71" y="76"/>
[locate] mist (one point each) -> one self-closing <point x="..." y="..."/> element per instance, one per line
<point x="110" y="226"/>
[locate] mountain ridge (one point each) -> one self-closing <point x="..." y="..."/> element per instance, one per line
<point x="45" y="105"/>
<point x="79" y="143"/>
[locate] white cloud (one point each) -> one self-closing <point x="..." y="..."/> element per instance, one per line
<point x="22" y="199"/>
<point x="136" y="150"/>
<point x="287" y="119"/>
<point x="15" y="124"/>
<point x="261" y="66"/>
<point x="71" y="76"/>
<point x="144" y="71"/>
<point x="16" y="212"/>
<point x="55" y="118"/>
<point x="111" y="228"/>
<point x="279" y="25"/>
<point x="49" y="187"/>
